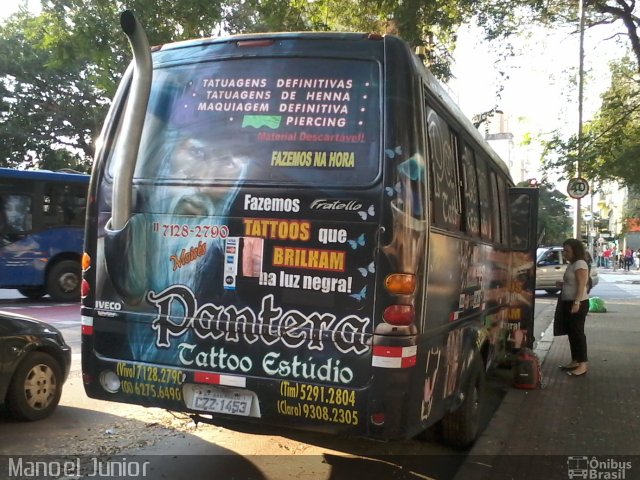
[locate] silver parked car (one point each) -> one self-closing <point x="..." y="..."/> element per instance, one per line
<point x="550" y="267"/>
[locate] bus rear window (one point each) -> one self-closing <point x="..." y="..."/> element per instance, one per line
<point x="297" y="121"/>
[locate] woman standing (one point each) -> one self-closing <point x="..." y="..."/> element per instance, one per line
<point x="574" y="305"/>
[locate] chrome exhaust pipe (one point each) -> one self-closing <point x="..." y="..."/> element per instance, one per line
<point x="133" y="119"/>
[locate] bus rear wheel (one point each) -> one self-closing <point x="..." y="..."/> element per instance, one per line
<point x="461" y="427"/>
<point x="63" y="281"/>
<point x="33" y="293"/>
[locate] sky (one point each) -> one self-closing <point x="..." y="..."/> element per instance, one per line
<point x="9" y="7"/>
<point x="540" y="94"/>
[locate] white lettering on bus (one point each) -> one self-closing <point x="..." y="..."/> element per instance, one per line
<point x="214" y="358"/>
<point x="265" y="204"/>
<point x="313" y="83"/>
<point x="270" y="325"/>
<point x="234" y="82"/>
<point x="329" y="371"/>
<point x="108" y="305"/>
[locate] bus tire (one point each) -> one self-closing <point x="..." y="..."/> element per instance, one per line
<point x="33" y="293"/>
<point x="63" y="281"/>
<point x="35" y="388"/>
<point x="460" y="428"/>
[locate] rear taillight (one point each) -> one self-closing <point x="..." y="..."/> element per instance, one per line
<point x="377" y="418"/>
<point x="400" y="283"/>
<point x="85" y="288"/>
<point x="399" y="315"/>
<point x="86" y="261"/>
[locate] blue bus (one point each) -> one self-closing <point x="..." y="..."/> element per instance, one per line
<point x="300" y="229"/>
<point x="42" y="216"/>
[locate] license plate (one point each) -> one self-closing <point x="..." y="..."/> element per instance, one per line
<point x="222" y="401"/>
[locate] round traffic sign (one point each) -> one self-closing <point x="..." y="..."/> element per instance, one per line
<point x="577" y="187"/>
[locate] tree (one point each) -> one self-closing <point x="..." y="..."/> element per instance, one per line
<point x="554" y="222"/>
<point x="61" y="68"/>
<point x="611" y="141"/>
<point x="45" y="107"/>
<point x="503" y="18"/>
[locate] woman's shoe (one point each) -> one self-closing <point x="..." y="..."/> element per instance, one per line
<point x="567" y="367"/>
<point x="574" y="374"/>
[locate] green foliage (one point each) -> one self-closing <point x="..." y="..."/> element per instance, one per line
<point x="60" y="69"/>
<point x="554" y="221"/>
<point x="611" y="141"/>
<point x="45" y="104"/>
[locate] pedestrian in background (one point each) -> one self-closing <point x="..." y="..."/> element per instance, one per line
<point x="628" y="259"/>
<point x="607" y="257"/>
<point x="637" y="259"/>
<point x="573" y="305"/>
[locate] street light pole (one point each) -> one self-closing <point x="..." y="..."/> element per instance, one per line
<point x="578" y="215"/>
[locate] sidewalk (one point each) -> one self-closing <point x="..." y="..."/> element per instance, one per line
<point x="556" y="432"/>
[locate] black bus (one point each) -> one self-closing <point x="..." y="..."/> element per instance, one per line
<point x="300" y="229"/>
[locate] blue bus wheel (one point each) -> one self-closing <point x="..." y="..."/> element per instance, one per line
<point x="63" y="281"/>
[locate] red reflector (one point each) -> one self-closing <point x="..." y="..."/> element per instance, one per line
<point x="400" y="315"/>
<point x="87" y="378"/>
<point x="87" y="329"/>
<point x="377" y="418"/>
<point x="206" y="377"/>
<point x="84" y="288"/>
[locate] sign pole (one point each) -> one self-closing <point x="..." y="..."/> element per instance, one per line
<point x="580" y="97"/>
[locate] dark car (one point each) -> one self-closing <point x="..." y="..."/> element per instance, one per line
<point x="34" y="364"/>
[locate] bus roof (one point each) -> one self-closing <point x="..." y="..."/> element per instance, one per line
<point x="272" y="35"/>
<point x="44" y="175"/>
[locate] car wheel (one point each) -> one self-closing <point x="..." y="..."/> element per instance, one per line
<point x="552" y="291"/>
<point x="461" y="427"/>
<point x="35" y="388"/>
<point x="34" y="293"/>
<point x="63" y="281"/>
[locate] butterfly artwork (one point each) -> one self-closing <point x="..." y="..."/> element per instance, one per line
<point x="370" y="212"/>
<point x="361" y="295"/>
<point x="391" y="153"/>
<point x="412" y="168"/>
<point x="358" y="242"/>
<point x="371" y="268"/>
<point x="391" y="191"/>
